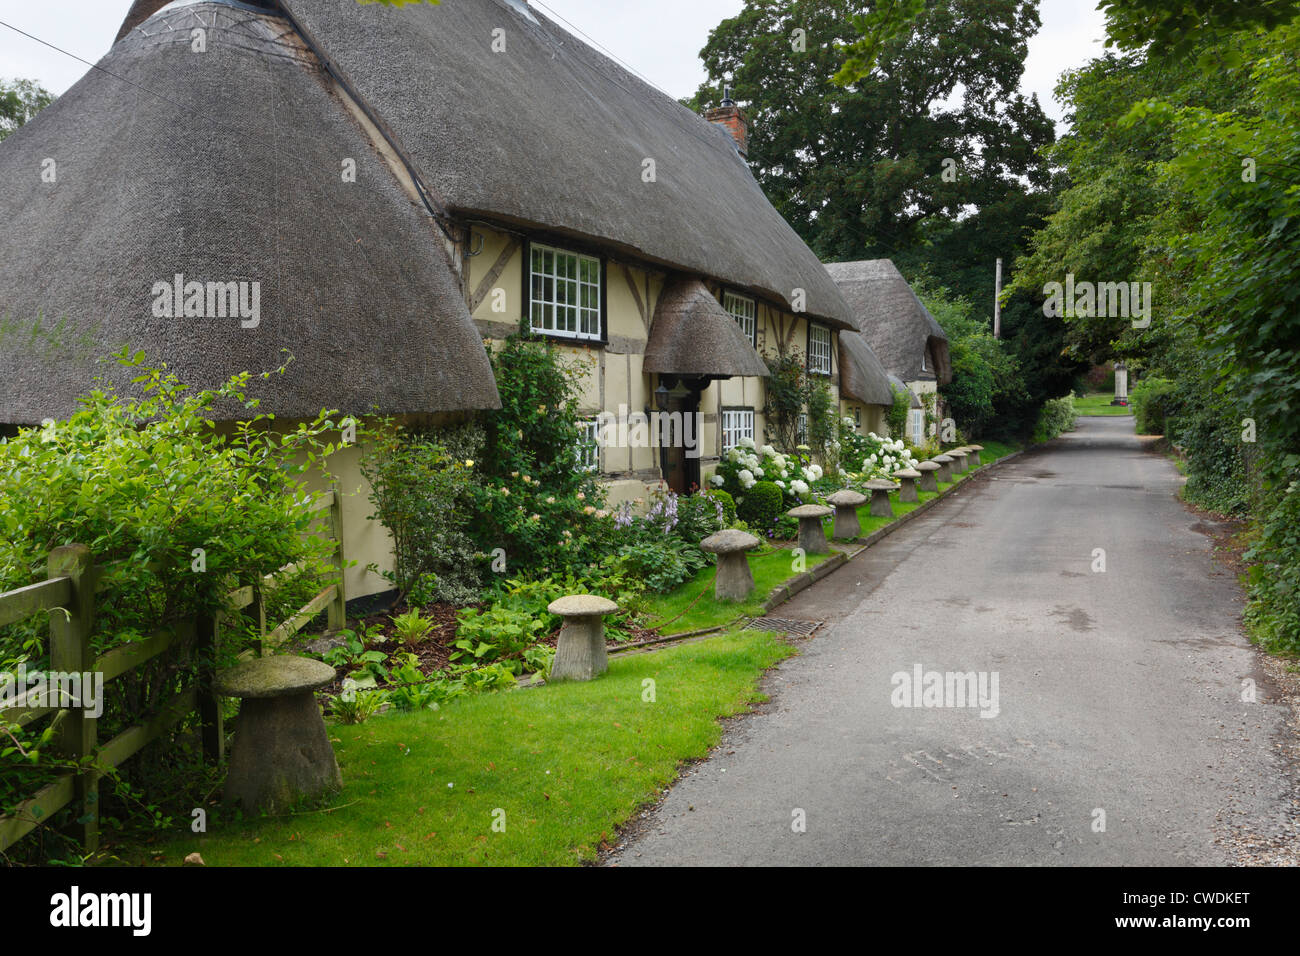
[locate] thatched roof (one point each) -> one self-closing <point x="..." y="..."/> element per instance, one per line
<point x="862" y="377"/>
<point x="223" y="166"/>
<point x="692" y="334"/>
<point x="552" y="135"/>
<point x="892" y="318"/>
<point x="141" y="10"/>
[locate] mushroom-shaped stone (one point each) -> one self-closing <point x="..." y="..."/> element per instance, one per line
<point x="958" y="456"/>
<point x="811" y="536"/>
<point x="907" y="478"/>
<point x="945" y="467"/>
<point x="880" y="489"/>
<point x="734" y="581"/>
<point x="974" y="452"/>
<point x="846" y="502"/>
<point x="928" y="480"/>
<point x="281" y="752"/>
<point x="580" y="651"/>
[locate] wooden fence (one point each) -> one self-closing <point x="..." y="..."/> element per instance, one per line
<point x="69" y="594"/>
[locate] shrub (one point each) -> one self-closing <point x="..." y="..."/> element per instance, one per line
<point x="533" y="500"/>
<point x="870" y="456"/>
<point x="1152" y="399"/>
<point x="1210" y="437"/>
<point x="761" y="505"/>
<point x="1056" y="417"/>
<point x="821" y="416"/>
<point x="143" y="482"/>
<point x="745" y="465"/>
<point x="1274" y="610"/>
<point x="426" y="500"/>
<point x="896" y="416"/>
<point x="786" y="391"/>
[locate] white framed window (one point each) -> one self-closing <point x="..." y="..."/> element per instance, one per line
<point x="819" y="349"/>
<point x="737" y="423"/>
<point x="745" y="312"/>
<point x="588" y="450"/>
<point x="925" y="359"/>
<point x="801" y="429"/>
<point x="564" y="292"/>
<point x="918" y="426"/>
<point x="857" y="419"/>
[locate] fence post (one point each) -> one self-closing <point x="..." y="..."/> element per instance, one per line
<point x="260" y="605"/>
<point x="338" y="609"/>
<point x="70" y="653"/>
<point x="207" y="638"/>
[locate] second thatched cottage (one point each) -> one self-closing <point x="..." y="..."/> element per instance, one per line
<point x="398" y="185"/>
<point x="901" y="332"/>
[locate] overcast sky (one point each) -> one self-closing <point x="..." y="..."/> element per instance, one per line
<point x="660" y="39"/>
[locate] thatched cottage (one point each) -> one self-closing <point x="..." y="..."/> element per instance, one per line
<point x="378" y="191"/>
<point x="900" y="330"/>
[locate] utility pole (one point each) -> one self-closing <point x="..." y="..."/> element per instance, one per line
<point x="997" y="301"/>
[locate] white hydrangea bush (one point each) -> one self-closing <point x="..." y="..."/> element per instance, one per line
<point x="885" y="457"/>
<point x="747" y="464"/>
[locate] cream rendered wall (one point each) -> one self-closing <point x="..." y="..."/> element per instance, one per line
<point x="612" y="380"/>
<point x="776" y="330"/>
<point x="364" y="541"/>
<point x="873" y="416"/>
<point x="614" y="375"/>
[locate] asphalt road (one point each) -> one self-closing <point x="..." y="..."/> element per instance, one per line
<point x="1117" y="691"/>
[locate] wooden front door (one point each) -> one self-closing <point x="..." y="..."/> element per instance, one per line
<point x="678" y="435"/>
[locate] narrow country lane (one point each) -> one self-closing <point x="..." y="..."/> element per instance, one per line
<point x="1118" y="691"/>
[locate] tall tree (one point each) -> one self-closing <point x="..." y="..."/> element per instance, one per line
<point x="935" y="131"/>
<point x="930" y="157"/>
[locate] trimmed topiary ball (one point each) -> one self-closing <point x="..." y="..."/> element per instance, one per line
<point x="761" y="505"/>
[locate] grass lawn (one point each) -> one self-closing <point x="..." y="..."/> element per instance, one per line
<point x="534" y="777"/>
<point x="566" y="763"/>
<point x="692" y="606"/>
<point x="1099" y="403"/>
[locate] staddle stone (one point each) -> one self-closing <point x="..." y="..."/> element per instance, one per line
<point x="958" y="457"/>
<point x="734" y="580"/>
<point x="580" y="651"/>
<point x="928" y="480"/>
<point x="907" y="479"/>
<point x="974" y="452"/>
<point x="281" y="753"/>
<point x="811" y="536"/>
<point x="277" y="676"/>
<point x="846" y="502"/>
<point x="880" y="489"/>
<point x="945" y="467"/>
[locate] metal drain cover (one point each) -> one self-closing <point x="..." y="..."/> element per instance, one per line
<point x="803" y="628"/>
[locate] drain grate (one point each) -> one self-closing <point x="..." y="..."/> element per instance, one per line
<point x="802" y="628"/>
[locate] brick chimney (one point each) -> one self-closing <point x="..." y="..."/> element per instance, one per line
<point x="730" y="116"/>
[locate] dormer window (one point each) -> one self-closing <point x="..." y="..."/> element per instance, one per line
<point x="925" y="360"/>
<point x="745" y="312"/>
